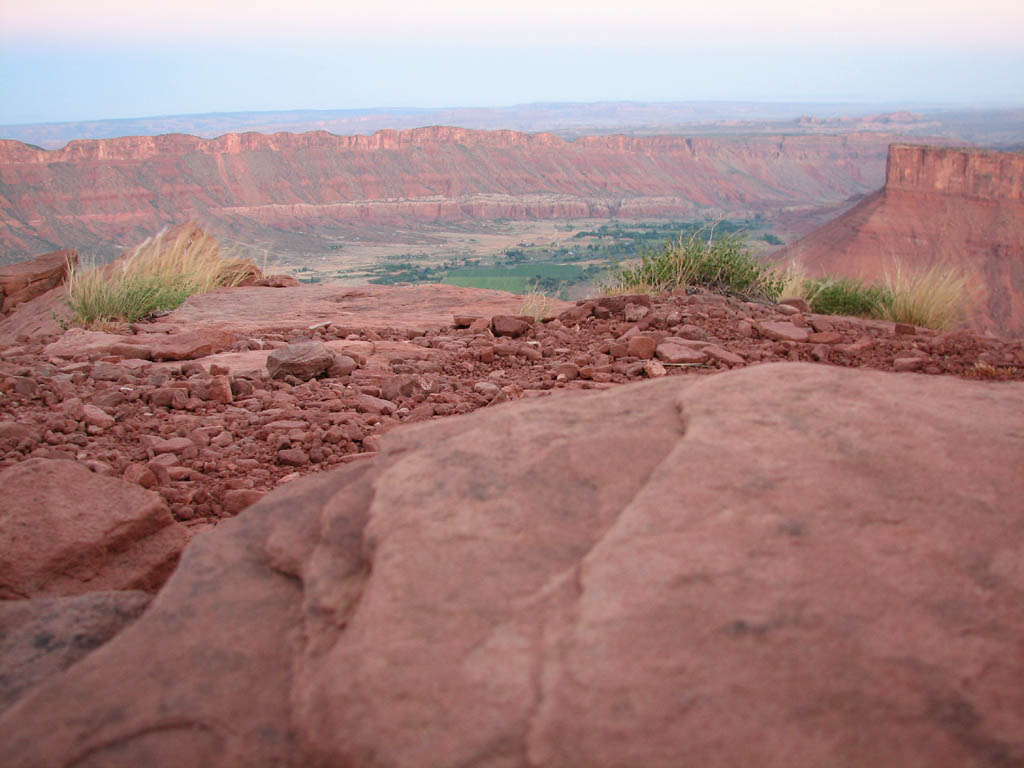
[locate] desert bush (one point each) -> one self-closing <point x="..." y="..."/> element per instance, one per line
<point x="845" y="296"/>
<point x="934" y="298"/>
<point x="157" y="276"/>
<point x="722" y="264"/>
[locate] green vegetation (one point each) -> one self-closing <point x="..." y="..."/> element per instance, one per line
<point x="157" y="276"/>
<point x="845" y="296"/>
<point x="634" y="238"/>
<point x="520" y="278"/>
<point x="722" y="263"/>
<point x="552" y="268"/>
<point x="934" y="298"/>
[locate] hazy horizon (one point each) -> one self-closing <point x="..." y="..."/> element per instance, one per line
<point x="66" y="61"/>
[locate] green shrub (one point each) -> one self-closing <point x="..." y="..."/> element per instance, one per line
<point x="846" y="296"/>
<point x="933" y="298"/>
<point x="722" y="264"/>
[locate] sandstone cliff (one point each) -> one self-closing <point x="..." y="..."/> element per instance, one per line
<point x="99" y="195"/>
<point x="958" y="207"/>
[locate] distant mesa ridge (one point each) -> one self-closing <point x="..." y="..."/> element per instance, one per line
<point x="98" y="194"/>
<point x="145" y="147"/>
<point x="953" y="207"/>
<point x="964" y="172"/>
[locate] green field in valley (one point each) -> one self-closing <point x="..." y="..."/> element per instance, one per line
<point x="518" y="278"/>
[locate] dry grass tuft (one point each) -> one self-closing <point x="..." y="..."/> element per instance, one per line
<point x="935" y="298"/>
<point x="157" y="276"/>
<point x="537" y="305"/>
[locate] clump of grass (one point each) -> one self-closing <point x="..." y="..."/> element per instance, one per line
<point x="157" y="276"/>
<point x="721" y="264"/>
<point x="846" y="296"/>
<point x="934" y="298"/>
<point x="537" y="305"/>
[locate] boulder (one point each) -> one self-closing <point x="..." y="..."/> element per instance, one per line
<point x="783" y="565"/>
<point x="66" y="530"/>
<point x="42" y="637"/>
<point x="304" y="360"/>
<point x="642" y="347"/>
<point x="25" y="280"/>
<point x="509" y="325"/>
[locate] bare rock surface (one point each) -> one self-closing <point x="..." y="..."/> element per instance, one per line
<point x="67" y="530"/>
<point x="783" y="565"/>
<point x="367" y="306"/>
<point x="43" y="637"/>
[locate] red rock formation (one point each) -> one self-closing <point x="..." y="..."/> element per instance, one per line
<point x="25" y="280"/>
<point x="958" y="207"/>
<point x="105" y="193"/>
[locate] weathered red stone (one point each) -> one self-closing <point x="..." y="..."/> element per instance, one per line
<point x="699" y="571"/>
<point x="507" y="325"/>
<point x="783" y="331"/>
<point x="67" y="530"/>
<point x="25" y="280"/>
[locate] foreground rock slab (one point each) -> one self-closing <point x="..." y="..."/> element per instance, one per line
<point x="40" y="638"/>
<point x="784" y="565"/>
<point x="66" y="530"/>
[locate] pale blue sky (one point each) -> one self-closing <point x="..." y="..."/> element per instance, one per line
<point x="79" y="60"/>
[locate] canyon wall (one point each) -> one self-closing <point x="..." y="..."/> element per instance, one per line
<point x="101" y="195"/>
<point x="957" y="208"/>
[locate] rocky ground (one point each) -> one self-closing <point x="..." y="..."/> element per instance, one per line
<point x="196" y="416"/>
<point x="769" y="555"/>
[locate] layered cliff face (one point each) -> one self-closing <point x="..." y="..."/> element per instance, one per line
<point x="961" y="208"/>
<point x="99" y="195"/>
